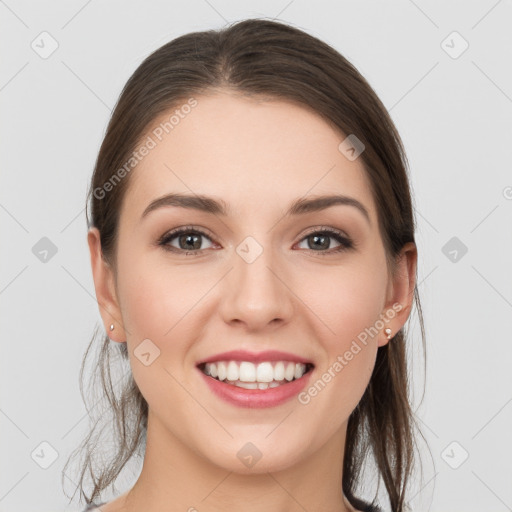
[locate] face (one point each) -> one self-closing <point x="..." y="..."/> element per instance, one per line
<point x="256" y="277"/>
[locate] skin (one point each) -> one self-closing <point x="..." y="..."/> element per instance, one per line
<point x="258" y="156"/>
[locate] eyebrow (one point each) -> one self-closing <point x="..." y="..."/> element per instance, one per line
<point x="219" y="207"/>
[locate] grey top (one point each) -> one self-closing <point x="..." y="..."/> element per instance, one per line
<point x="93" y="505"/>
<point x="359" y="504"/>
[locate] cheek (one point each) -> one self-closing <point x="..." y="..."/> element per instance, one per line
<point x="164" y="304"/>
<point x="158" y="305"/>
<point x="346" y="300"/>
<point x="157" y="295"/>
<point x="346" y="305"/>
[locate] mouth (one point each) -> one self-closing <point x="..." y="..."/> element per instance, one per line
<point x="260" y="376"/>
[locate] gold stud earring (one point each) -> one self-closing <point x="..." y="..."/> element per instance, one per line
<point x="388" y="332"/>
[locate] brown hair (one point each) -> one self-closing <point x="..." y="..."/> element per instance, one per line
<point x="276" y="61"/>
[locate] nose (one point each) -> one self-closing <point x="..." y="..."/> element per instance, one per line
<point x="256" y="294"/>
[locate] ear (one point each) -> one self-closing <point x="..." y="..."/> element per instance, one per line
<point x="104" y="283"/>
<point x="400" y="292"/>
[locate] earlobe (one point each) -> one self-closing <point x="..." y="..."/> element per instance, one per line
<point x="399" y="304"/>
<point x="103" y="277"/>
<point x="388" y="335"/>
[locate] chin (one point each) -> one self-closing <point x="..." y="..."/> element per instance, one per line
<point x="253" y="458"/>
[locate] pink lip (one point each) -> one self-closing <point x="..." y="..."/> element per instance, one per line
<point x="244" y="355"/>
<point x="256" y="398"/>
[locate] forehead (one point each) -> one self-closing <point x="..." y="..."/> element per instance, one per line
<point x="253" y="153"/>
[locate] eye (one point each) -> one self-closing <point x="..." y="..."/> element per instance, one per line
<point x="188" y="240"/>
<point x="319" y="240"/>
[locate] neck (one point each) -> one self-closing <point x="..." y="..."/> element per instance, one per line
<point x="175" y="478"/>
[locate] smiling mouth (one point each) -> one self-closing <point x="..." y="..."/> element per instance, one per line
<point x="270" y="375"/>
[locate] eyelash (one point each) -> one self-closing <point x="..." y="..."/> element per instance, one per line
<point x="345" y="242"/>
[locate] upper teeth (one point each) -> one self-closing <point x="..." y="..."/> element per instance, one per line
<point x="246" y="371"/>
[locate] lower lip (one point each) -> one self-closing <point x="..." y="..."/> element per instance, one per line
<point x="256" y="398"/>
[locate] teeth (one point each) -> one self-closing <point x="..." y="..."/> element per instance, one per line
<point x="232" y="371"/>
<point x="299" y="371"/>
<point x="247" y="372"/>
<point x="247" y="385"/>
<point x="254" y="385"/>
<point x="263" y="374"/>
<point x="221" y="370"/>
<point x="289" y="372"/>
<point x="279" y="371"/>
<point x="213" y="370"/>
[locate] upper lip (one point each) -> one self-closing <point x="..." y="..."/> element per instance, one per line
<point x="255" y="357"/>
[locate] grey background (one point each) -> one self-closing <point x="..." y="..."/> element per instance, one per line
<point x="454" y="115"/>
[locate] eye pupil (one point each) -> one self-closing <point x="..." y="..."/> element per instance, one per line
<point x="190" y="239"/>
<point x="317" y="238"/>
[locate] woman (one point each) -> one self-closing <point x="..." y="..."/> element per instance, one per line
<point x="253" y="255"/>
